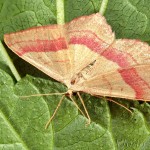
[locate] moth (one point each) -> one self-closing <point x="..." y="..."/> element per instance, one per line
<point x="85" y="56"/>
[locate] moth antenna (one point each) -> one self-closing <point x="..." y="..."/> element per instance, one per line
<point x="49" y="121"/>
<point x="70" y="96"/>
<point x="47" y="94"/>
<point x="109" y="99"/>
<point x="89" y="119"/>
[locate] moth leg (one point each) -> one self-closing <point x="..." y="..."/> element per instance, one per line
<point x="47" y="124"/>
<point x="89" y="119"/>
<point x="109" y="99"/>
<point x="70" y="96"/>
<point x="47" y="94"/>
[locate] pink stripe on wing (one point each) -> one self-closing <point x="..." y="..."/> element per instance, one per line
<point x="131" y="77"/>
<point x="118" y="57"/>
<point x="42" y="46"/>
<point x="89" y="39"/>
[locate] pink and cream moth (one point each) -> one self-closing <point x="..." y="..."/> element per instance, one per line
<point x="85" y="56"/>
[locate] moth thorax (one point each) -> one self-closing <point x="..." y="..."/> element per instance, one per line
<point x="83" y="75"/>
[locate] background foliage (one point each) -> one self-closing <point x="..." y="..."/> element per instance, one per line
<point x="22" y="121"/>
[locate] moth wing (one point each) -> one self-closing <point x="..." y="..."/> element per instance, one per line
<point x="122" y="53"/>
<point x="88" y="36"/>
<point x="124" y="71"/>
<point x="45" y="48"/>
<point x="62" y="51"/>
<point x="132" y="83"/>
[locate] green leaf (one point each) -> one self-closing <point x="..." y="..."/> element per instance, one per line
<point x="77" y="8"/>
<point x="17" y="15"/>
<point x="22" y="121"/>
<point x="129" y="18"/>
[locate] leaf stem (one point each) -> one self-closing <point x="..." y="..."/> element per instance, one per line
<point x="103" y="6"/>
<point x="60" y="11"/>
<point x="9" y="62"/>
